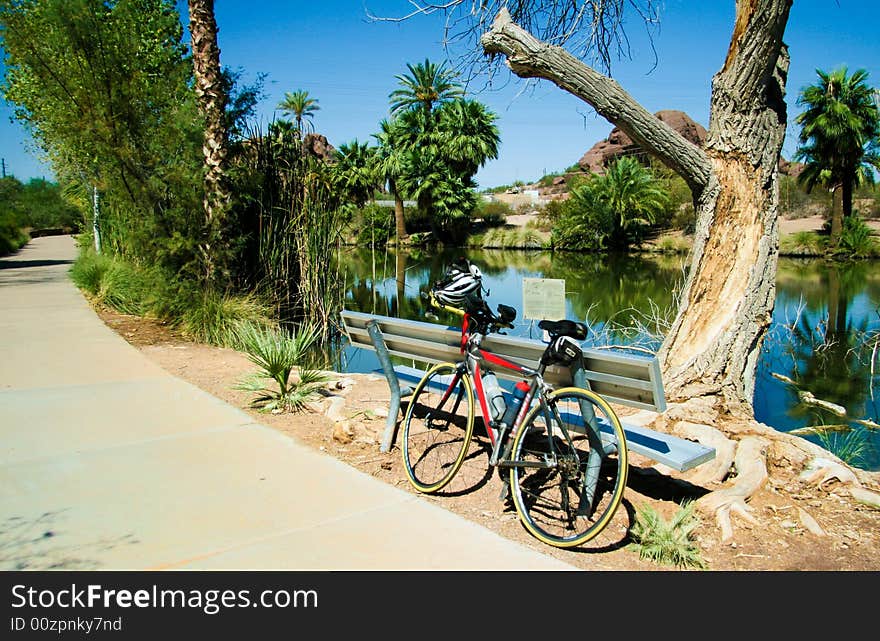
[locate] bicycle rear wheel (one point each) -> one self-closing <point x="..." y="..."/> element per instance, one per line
<point x="438" y="427"/>
<point x="568" y="481"/>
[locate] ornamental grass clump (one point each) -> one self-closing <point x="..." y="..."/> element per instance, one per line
<point x="277" y="352"/>
<point x="667" y="543"/>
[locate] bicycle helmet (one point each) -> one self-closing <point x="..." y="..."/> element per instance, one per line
<point x="463" y="281"/>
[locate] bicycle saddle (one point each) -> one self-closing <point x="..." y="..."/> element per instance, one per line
<point x="565" y="327"/>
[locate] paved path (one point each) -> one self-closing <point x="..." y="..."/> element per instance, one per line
<point x="109" y="462"/>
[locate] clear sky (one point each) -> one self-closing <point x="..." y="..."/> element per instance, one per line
<point x="349" y="63"/>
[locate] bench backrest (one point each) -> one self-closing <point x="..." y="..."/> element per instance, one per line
<point x="623" y="378"/>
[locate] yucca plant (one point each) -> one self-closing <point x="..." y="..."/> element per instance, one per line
<point x="277" y="353"/>
<point x="667" y="543"/>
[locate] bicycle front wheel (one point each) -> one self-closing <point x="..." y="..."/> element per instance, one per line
<point x="569" y="468"/>
<point x="438" y="427"/>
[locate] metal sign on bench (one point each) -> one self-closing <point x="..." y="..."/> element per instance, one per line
<point x="626" y="379"/>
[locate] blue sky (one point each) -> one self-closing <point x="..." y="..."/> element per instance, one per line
<point x="349" y="64"/>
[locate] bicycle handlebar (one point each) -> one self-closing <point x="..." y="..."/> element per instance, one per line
<point x="492" y="321"/>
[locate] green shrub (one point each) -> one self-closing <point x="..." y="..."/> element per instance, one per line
<point x="214" y="317"/>
<point x="802" y="243"/>
<point x="856" y="238"/>
<point x="851" y="447"/>
<point x="493" y="213"/>
<point x="115" y="283"/>
<point x="375" y="225"/>
<point x="204" y="316"/>
<point x="504" y="238"/>
<point x="667" y="543"/>
<point x="12" y="236"/>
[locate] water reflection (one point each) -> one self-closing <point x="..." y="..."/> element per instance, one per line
<point x="820" y="339"/>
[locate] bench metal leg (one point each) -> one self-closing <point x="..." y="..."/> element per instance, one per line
<point x="393" y="384"/>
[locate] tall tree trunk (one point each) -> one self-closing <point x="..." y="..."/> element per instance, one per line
<point x="846" y="196"/>
<point x="399" y="220"/>
<point x="212" y="99"/>
<point x="727" y="299"/>
<point x="836" y="216"/>
<point x="714" y="343"/>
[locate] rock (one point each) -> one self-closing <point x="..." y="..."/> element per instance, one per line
<point x="334" y="411"/>
<point x="810" y="523"/>
<point x="604" y="152"/>
<point x="318" y="146"/>
<point x="343" y="432"/>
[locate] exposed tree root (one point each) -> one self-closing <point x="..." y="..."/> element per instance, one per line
<point x="751" y="476"/>
<point x="748" y="450"/>
<point x="716" y="470"/>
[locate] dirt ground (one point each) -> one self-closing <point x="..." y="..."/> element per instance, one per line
<point x="780" y="540"/>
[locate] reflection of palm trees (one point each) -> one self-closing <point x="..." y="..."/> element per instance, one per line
<point x="826" y="345"/>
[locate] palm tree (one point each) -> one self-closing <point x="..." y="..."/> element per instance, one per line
<point x="211" y="95"/>
<point x="839" y="138"/>
<point x="424" y="87"/>
<point x="613" y="210"/>
<point x="354" y="171"/>
<point x="390" y="166"/>
<point x="470" y="135"/>
<point x="299" y="105"/>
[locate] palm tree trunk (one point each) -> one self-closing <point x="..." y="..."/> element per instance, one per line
<point x="212" y="105"/>
<point x="846" y="197"/>
<point x="837" y="201"/>
<point x="399" y="220"/>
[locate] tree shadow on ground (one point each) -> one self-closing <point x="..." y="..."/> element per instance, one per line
<point x="39" y="543"/>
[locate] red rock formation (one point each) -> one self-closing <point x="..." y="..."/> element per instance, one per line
<point x="618" y="143"/>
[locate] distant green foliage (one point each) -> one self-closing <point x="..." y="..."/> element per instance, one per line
<point x="507" y="238"/>
<point x="667" y="543"/>
<point x="434" y="146"/>
<point x="802" y="243"/>
<point x="12" y="236"/>
<point x="373" y="225"/>
<point x="39" y="204"/>
<point x="493" y="213"/>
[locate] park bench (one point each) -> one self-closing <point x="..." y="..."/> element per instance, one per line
<point x="621" y="378"/>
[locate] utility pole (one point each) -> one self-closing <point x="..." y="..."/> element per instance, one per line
<point x="95" y="228"/>
<point x="3" y="162"/>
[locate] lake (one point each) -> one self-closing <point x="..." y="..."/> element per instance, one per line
<point x="822" y="341"/>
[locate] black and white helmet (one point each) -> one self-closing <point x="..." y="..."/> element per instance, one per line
<point x="463" y="281"/>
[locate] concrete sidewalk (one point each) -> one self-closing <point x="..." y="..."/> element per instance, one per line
<point x="109" y="462"/>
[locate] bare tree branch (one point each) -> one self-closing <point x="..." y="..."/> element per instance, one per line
<point x="589" y="29"/>
<point x="528" y="57"/>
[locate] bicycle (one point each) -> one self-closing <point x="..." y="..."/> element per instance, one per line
<point x="565" y="449"/>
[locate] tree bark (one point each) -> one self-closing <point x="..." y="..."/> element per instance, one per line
<point x="727" y="302"/>
<point x="212" y="106"/>
<point x="727" y="299"/>
<point x="836" y="216"/>
<point x="399" y="220"/>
